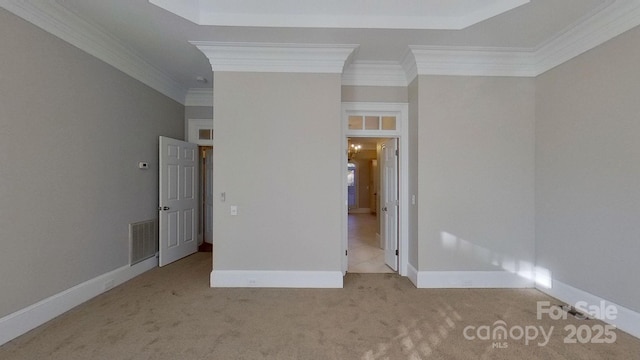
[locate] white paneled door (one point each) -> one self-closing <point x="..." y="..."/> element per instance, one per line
<point x="389" y="214"/>
<point x="178" y="201"/>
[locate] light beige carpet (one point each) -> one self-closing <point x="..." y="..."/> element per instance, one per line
<point x="172" y="313"/>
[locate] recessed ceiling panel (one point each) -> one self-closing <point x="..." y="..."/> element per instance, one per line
<point x="363" y="14"/>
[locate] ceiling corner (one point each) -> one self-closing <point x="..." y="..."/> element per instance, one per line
<point x="199" y="97"/>
<point x="605" y="23"/>
<point x="62" y="23"/>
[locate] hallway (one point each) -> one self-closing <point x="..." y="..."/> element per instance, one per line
<point x="365" y="255"/>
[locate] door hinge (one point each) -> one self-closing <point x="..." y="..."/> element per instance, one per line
<point x="396" y="252"/>
<point x="346" y="253"/>
<point x="396" y="152"/>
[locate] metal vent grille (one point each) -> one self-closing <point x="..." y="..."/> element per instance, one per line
<point x="143" y="237"/>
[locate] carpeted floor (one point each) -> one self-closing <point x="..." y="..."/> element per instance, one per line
<point x="172" y="313"/>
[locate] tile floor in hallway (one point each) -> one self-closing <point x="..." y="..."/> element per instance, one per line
<point x="365" y="254"/>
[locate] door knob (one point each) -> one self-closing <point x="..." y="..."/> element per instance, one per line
<point x="384" y="208"/>
<point x="163" y="208"/>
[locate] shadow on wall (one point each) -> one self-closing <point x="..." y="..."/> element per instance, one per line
<point x="524" y="269"/>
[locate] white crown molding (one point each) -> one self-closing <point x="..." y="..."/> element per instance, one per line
<point x="374" y="73"/>
<point x="603" y="24"/>
<point x="471" y="61"/>
<point x="606" y="22"/>
<point x="199" y="97"/>
<point x="275" y="57"/>
<point x="409" y="65"/>
<point x="57" y="20"/>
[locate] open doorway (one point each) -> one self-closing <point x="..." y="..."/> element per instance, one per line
<point x="386" y="122"/>
<point x="205" y="226"/>
<point x="200" y="132"/>
<point x="372" y="192"/>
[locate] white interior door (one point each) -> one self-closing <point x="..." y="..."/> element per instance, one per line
<point x="208" y="196"/>
<point x="345" y="209"/>
<point x="389" y="186"/>
<point x="178" y="200"/>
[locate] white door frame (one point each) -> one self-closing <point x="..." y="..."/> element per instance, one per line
<point x="389" y="220"/>
<point x="193" y="136"/>
<point x="193" y="128"/>
<point x="401" y="111"/>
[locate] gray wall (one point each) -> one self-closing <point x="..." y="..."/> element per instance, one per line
<point x="588" y="171"/>
<point x="196" y="112"/>
<point x="414" y="117"/>
<point x="476" y="172"/>
<point x="396" y="94"/>
<point x="289" y="190"/>
<point x="72" y="130"/>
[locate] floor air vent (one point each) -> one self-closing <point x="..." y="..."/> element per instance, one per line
<point x="143" y="237"/>
<point x="574" y="312"/>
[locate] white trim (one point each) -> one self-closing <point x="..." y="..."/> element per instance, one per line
<point x="374" y="73"/>
<point x="412" y="274"/>
<point x="409" y="66"/>
<point x="57" y="20"/>
<point x="276" y="57"/>
<point x="22" y="321"/>
<point x="402" y="133"/>
<point x="471" y="279"/>
<point x="276" y="279"/>
<point x="627" y="320"/>
<point x="605" y="23"/>
<point x="473" y="61"/>
<point x="199" y="97"/>
<point x="194" y="126"/>
<point x="601" y="25"/>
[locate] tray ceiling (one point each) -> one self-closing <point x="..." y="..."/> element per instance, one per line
<point x="364" y="14"/>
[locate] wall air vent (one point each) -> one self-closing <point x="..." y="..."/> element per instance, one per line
<point x="143" y="239"/>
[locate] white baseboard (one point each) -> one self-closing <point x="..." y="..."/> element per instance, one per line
<point x="22" y="321"/>
<point x="412" y="274"/>
<point x="281" y="279"/>
<point x="626" y="320"/>
<point x="470" y="279"/>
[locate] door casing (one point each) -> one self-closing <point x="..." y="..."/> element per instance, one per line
<point x="401" y="111"/>
<point x="389" y="189"/>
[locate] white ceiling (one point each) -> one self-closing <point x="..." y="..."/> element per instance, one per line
<point x="354" y="14"/>
<point x="158" y="40"/>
